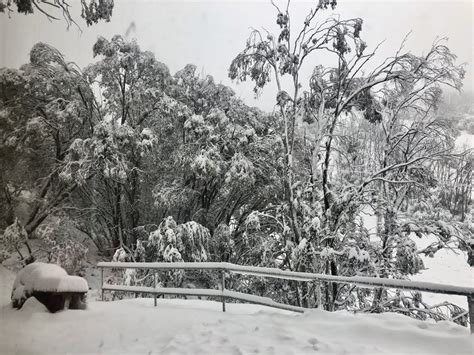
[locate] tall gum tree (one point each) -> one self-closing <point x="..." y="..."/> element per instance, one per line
<point x="45" y="106"/>
<point x="129" y="84"/>
<point x="354" y="83"/>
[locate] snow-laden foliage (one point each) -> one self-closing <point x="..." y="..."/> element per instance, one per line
<point x="166" y="241"/>
<point x="61" y="247"/>
<point x="69" y="254"/>
<point x="170" y="242"/>
<point x="92" y="11"/>
<point x="185" y="242"/>
<point x="14" y="235"/>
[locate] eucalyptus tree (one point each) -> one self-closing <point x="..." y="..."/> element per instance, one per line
<point x="129" y="85"/>
<point x="319" y="212"/>
<point x="92" y="12"/>
<point x="219" y="161"/>
<point x="45" y="106"/>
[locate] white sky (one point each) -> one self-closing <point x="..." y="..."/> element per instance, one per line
<point x="210" y="33"/>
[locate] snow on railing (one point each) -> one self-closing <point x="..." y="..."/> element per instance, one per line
<point x="287" y="275"/>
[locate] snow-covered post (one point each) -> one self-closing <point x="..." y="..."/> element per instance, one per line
<point x="101" y="283"/>
<point x="154" y="285"/>
<point x="319" y="295"/>
<point x="223" y="289"/>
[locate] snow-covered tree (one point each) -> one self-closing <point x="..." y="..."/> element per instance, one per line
<point x="131" y="86"/>
<point x="396" y="96"/>
<point x="93" y="11"/>
<point x="44" y="107"/>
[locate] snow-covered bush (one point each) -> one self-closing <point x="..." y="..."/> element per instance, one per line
<point x="185" y="242"/>
<point x="63" y="249"/>
<point x="70" y="255"/>
<point x="4" y="254"/>
<point x="14" y="235"/>
<point x="170" y="242"/>
<point x="121" y="256"/>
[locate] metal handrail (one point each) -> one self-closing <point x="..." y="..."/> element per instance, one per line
<point x="300" y="276"/>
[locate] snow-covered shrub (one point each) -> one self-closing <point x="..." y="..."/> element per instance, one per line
<point x="408" y="261"/>
<point x="170" y="242"/>
<point x="241" y="171"/>
<point x="184" y="242"/>
<point x="127" y="277"/>
<point x="121" y="256"/>
<point x="14" y="235"/>
<point x="195" y="240"/>
<point x="70" y="255"/>
<point x="253" y="221"/>
<point x="197" y="125"/>
<point x="63" y="250"/>
<point x="140" y="252"/>
<point x="164" y="241"/>
<point x="207" y="164"/>
<point x="223" y="242"/>
<point x="4" y="254"/>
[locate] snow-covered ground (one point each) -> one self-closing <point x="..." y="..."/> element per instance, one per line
<point x="199" y="327"/>
<point x="6" y="283"/>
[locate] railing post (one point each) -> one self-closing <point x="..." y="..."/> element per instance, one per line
<point x="470" y="302"/>
<point x="154" y="285"/>
<point x="101" y="283"/>
<point x="319" y="295"/>
<point x="223" y="289"/>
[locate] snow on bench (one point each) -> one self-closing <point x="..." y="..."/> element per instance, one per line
<point x="51" y="285"/>
<point x="44" y="277"/>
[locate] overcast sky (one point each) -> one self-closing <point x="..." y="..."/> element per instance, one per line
<point x="210" y="33"/>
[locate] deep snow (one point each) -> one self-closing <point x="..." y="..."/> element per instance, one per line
<point x="199" y="327"/>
